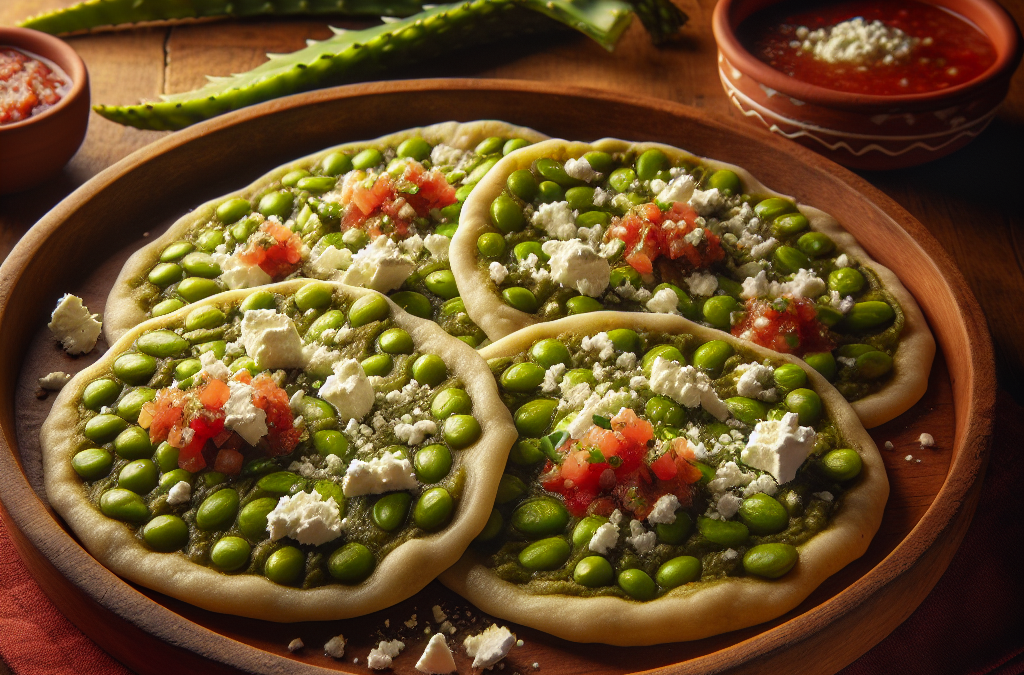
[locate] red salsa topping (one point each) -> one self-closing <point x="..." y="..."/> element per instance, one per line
<point x="650" y="234"/>
<point x="28" y="85"/>
<point x="275" y="248"/>
<point x="946" y="49"/>
<point x="788" y="325"/>
<point x="413" y="194"/>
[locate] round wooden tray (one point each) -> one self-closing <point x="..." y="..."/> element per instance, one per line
<point x="81" y="244"/>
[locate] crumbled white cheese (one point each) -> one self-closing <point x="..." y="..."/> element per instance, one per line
<point x="601" y="197"/>
<point x="438" y="614"/>
<point x="823" y="496"/>
<point x="326" y="263"/>
<point x="702" y="283"/>
<point x="599" y="343"/>
<point x="54" y="381"/>
<point x="706" y="202"/>
<point x="804" y="284"/>
<point x="305" y="517"/>
<point x="580" y="169"/>
<point x="380" y="474"/>
<point x="380" y="266"/>
<point x="242" y="416"/>
<point x="763" y="483"/>
<point x="843" y="260"/>
<point x="728" y="504"/>
<point x="438" y="245"/>
<point x="556" y="219"/>
<point x="235" y="273"/>
<point x="857" y="42"/>
<point x="551" y="378"/>
<point x="604" y="539"/>
<point x="755" y="382"/>
<point x="412" y="246"/>
<point x="180" y="493"/>
<point x="271" y="339"/>
<point x="664" y="510"/>
<point x="498" y="272"/>
<point x="640" y="539"/>
<point x="679" y="189"/>
<point x="321" y="359"/>
<point x="664" y="301"/>
<point x="926" y="440"/>
<point x="577" y="265"/>
<point x="687" y="386"/>
<point x="489" y="647"/>
<point x="779" y="447"/>
<point x="214" y="367"/>
<point x="295" y="645"/>
<point x="446" y="155"/>
<point x="756" y="286"/>
<point x="437" y="657"/>
<point x="607" y="405"/>
<point x="762" y="250"/>
<point x="413" y="434"/>
<point x="728" y="475"/>
<point x="335" y="647"/>
<point x="909" y="458"/>
<point x="383" y="654"/>
<point x="348" y="390"/>
<point x="75" y="327"/>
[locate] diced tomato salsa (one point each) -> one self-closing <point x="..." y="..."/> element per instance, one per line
<point x="275" y="248"/>
<point x="414" y="194"/>
<point x="28" y="86"/>
<point x="786" y="325"/>
<point x="606" y="469"/>
<point x="650" y="233"/>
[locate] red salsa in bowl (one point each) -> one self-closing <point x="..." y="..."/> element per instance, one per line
<point x="29" y="85"/>
<point x="873" y="47"/>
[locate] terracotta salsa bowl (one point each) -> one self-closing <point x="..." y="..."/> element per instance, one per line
<point x="861" y="131"/>
<point x="36" y="148"/>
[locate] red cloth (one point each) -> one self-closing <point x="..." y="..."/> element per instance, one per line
<point x="971" y="623"/>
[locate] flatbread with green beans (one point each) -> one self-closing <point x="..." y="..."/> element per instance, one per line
<point x="670" y="482"/>
<point x="376" y="214"/>
<point x="564" y="228"/>
<point x="302" y="452"/>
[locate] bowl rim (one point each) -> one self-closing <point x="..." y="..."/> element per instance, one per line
<point x="1005" y="37"/>
<point x="67" y="58"/>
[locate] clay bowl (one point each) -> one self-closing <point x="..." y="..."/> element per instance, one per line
<point x="868" y="132"/>
<point x="36" y="148"/>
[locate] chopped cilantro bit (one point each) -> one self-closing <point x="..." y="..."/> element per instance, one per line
<point x="596" y="456"/>
<point x="550" y="444"/>
<point x="602" y="422"/>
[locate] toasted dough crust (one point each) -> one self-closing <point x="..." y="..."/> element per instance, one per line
<point x="701" y="609"/>
<point x="124" y="308"/>
<point x="402" y="572"/>
<point x="911" y="362"/>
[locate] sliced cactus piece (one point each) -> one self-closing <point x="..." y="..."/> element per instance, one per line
<point x="351" y="55"/>
<point x="661" y="18"/>
<point x="103" y="13"/>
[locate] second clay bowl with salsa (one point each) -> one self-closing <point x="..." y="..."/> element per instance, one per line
<point x="890" y="115"/>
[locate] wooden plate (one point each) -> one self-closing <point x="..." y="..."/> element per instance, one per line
<point x="79" y="247"/>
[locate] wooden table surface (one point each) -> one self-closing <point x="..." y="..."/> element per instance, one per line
<point x="969" y="200"/>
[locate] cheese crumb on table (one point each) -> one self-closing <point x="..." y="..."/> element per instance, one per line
<point x="54" y="381"/>
<point x="335" y="647"/>
<point x="382" y="656"/>
<point x="295" y="645"/>
<point x="926" y="440"/>
<point x="437" y="657"/>
<point x="75" y="327"/>
<point x="489" y="647"/>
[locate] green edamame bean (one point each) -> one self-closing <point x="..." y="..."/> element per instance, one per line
<point x="208" y="240"/>
<point x="548" y="352"/>
<point x="520" y="298"/>
<point x="549" y="191"/>
<point x="625" y="340"/>
<point x="330" y="442"/>
<point x="200" y="265"/>
<point x="395" y="341"/>
<point x="258" y="300"/>
<point x="336" y="164"/>
<point x="711" y="356"/>
<point x="173" y="477"/>
<point x="442" y="284"/>
<point x="815" y="244"/>
<point x="806" y="404"/>
<point x="620" y="276"/>
<point x="161" y="343"/>
<point x="230" y="554"/>
<point x="686" y="306"/>
<point x="125" y="505"/>
<point x="368" y="309"/>
<point x="433" y="509"/>
<point x="252" y="519"/>
<point x="541" y="517"/>
<point x="526" y="452"/>
<point x="281" y="483"/>
<point x="873" y="365"/>
<point x="554" y="171"/>
<point x="789" y="224"/>
<point x="241" y="230"/>
<point x="176" y="251"/>
<point x="650" y="163"/>
<point x="510" y="488"/>
<point x="790" y="260"/>
<point x="246" y="363"/>
<point x="621" y="179"/>
<point x="581" y="304"/>
<point x="789" y="377"/>
<point x="663" y="410"/>
<point x="533" y="418"/>
<point x="194" y="289"/>
<point x="414" y="148"/>
<point x="593" y="572"/>
<point x="450" y="402"/>
<point x="461" y="431"/>
<point x="378" y="364"/>
<point x="585" y="529"/>
<point x="92" y="463"/>
<point x="580" y="198"/>
<point x="432" y="463"/>
<point x="133" y="443"/>
<point x="101" y="392"/>
<point x="491" y="245"/>
<point x="506" y="214"/>
<point x="204" y="317"/>
<point x="602" y="162"/>
<point x="165" y="274"/>
<point x="277" y="203"/>
<point x="390" y="511"/>
<point x="637" y="584"/>
<point x="718" y="311"/>
<point x="524" y="249"/>
<point x="723" y="532"/>
<point x="846" y="281"/>
<point x="868" y="316"/>
<point x="167" y="306"/>
<point x="726" y="181"/>
<point x="218" y="511"/>
<point x="166" y="533"/>
<point x="522" y="377"/>
<point x="769" y="209"/>
<point x="233" y="209"/>
<point x="314" y="409"/>
<point x="841" y="464"/>
<point x="352" y="563"/>
<point x="429" y="369"/>
<point x="166" y="456"/>
<point x="489" y="146"/>
<point x="285" y="566"/>
<point x="770" y="560"/>
<point x="495" y="524"/>
<point x="415" y="303"/>
<point x="578" y="376"/>
<point x="824" y="363"/>
<point x="667" y="352"/>
<point x="332" y="319"/>
<point x="678" y="571"/>
<point x="675" y="532"/>
<point x="513" y="144"/>
<point x="316" y="184"/>
<point x="522" y="184"/>
<point x="213" y="478"/>
<point x="367" y="159"/>
<point x="104" y="428"/>
<point x="315" y="295"/>
<point x="763" y="514"/>
<point x="747" y="410"/>
<point x="827" y="315"/>
<point x="592" y="218"/>
<point x="546" y="554"/>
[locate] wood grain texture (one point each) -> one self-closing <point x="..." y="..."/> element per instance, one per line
<point x="931" y="503"/>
